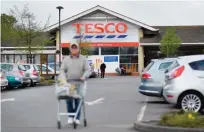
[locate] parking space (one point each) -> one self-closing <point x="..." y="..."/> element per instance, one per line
<point x="34" y="109"/>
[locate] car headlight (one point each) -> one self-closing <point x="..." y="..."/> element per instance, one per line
<point x="17" y="78"/>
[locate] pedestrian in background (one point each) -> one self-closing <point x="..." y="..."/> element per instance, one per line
<point x="103" y="69"/>
<point x="74" y="67"/>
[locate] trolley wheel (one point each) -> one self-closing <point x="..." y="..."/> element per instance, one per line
<point x="59" y="124"/>
<point x="74" y="125"/>
<point x="85" y="122"/>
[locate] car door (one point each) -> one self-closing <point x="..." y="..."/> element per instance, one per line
<point x="198" y="68"/>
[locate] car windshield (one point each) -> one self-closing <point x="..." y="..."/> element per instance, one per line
<point x="21" y="67"/>
<point x="165" y="65"/>
<point x="149" y="66"/>
<point x="27" y="67"/>
<point x="7" y="67"/>
<point x="173" y="66"/>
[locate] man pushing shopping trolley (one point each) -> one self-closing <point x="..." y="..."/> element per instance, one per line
<point x="72" y="85"/>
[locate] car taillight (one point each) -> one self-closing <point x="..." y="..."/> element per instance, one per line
<point x="177" y="72"/>
<point x="1" y="76"/>
<point x="146" y="76"/>
<point x="35" y="73"/>
<point x="21" y="72"/>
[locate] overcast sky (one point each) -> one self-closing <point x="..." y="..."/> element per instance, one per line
<point x="152" y="13"/>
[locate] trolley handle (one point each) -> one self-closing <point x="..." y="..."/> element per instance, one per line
<point x="75" y="80"/>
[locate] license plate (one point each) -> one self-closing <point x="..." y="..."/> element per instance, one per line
<point x="25" y="79"/>
<point x="27" y="75"/>
<point x="4" y="83"/>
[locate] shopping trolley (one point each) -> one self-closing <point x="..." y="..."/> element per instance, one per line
<point x="69" y="90"/>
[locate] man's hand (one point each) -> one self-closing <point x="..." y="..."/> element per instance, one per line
<point x="82" y="79"/>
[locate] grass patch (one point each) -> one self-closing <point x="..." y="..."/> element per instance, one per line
<point x="47" y="82"/>
<point x="182" y="119"/>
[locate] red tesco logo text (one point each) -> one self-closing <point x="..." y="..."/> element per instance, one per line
<point x="102" y="28"/>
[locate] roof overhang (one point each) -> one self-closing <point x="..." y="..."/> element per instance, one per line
<point x="55" y="26"/>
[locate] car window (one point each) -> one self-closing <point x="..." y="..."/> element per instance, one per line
<point x="165" y="65"/>
<point x="7" y="67"/>
<point x="44" y="69"/>
<point x="197" y="65"/>
<point x="35" y="68"/>
<point x="27" y="67"/>
<point x="173" y="66"/>
<point x="21" y="67"/>
<point x="10" y="68"/>
<point x="53" y="66"/>
<point x="38" y="67"/>
<point x="149" y="66"/>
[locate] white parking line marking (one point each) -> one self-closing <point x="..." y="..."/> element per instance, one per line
<point x="10" y="99"/>
<point x="98" y="101"/>
<point x="142" y="111"/>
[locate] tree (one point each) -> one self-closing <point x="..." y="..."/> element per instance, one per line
<point x="81" y="40"/>
<point x="170" y="42"/>
<point x="28" y="32"/>
<point x="7" y="22"/>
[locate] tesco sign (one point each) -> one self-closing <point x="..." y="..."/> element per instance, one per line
<point x="98" y="28"/>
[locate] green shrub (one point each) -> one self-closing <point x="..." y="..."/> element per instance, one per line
<point x="181" y="119"/>
<point x="42" y="79"/>
<point x="49" y="82"/>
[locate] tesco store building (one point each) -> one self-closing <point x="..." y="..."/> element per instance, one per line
<point x="111" y="38"/>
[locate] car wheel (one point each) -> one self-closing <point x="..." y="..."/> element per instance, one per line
<point x="31" y="83"/>
<point x="191" y="102"/>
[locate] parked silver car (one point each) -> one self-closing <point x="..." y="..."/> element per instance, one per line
<point x="153" y="77"/>
<point x="17" y="71"/>
<point x="4" y="81"/>
<point x="185" y="83"/>
<point x="33" y="73"/>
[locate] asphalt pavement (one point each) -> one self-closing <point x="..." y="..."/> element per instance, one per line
<point x="112" y="104"/>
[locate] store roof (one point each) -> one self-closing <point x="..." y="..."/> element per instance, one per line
<point x="96" y="8"/>
<point x="188" y="34"/>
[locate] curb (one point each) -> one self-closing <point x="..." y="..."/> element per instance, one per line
<point x="150" y="127"/>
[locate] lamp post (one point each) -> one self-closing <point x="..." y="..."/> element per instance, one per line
<point x="60" y="51"/>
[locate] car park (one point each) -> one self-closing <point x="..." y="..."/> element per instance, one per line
<point x="185" y="83"/>
<point x="4" y="81"/>
<point x="15" y="73"/>
<point x="32" y="73"/>
<point x="153" y="77"/>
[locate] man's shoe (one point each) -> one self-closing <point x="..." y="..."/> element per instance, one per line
<point x="70" y="120"/>
<point x="77" y="122"/>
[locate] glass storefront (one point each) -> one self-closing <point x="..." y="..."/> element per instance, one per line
<point x="109" y="51"/>
<point x="92" y="50"/>
<point x="128" y="50"/>
<point x="128" y="55"/>
<point x="129" y="58"/>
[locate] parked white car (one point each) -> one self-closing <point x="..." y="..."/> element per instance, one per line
<point x="185" y="83"/>
<point x="45" y="68"/>
<point x="4" y="81"/>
